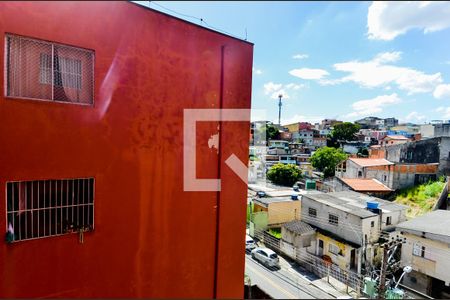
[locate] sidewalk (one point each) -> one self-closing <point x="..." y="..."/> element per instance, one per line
<point x="334" y="288"/>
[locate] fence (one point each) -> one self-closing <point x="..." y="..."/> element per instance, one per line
<point x="314" y="264"/>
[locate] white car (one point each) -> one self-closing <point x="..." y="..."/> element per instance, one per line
<point x="266" y="257"/>
<point x="249" y="243"/>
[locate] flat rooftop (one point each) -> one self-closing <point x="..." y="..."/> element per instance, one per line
<point x="434" y="225"/>
<point x="354" y="203"/>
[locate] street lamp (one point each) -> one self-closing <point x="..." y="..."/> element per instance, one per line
<point x="406" y="269"/>
<point x="279" y="109"/>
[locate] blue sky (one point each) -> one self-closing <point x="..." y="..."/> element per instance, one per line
<point x="344" y="60"/>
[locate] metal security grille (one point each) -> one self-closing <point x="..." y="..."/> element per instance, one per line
<point x="45" y="208"/>
<point x="38" y="69"/>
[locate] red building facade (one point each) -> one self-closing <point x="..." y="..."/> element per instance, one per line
<point x="92" y="146"/>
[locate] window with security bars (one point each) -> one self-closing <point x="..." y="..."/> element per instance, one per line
<point x="333" y="219"/>
<point x="44" y="208"/>
<point x="38" y="69"/>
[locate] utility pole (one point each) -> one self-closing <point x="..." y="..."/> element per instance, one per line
<point x="279" y="109"/>
<point x="382" y="287"/>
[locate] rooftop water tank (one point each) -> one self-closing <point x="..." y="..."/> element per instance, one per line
<point x="294" y="196"/>
<point x="372" y="205"/>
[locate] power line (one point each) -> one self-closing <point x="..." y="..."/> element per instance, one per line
<point x="202" y="21"/>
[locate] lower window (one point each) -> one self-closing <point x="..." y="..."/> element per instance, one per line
<point x="45" y="208"/>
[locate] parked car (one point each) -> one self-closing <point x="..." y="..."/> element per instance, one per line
<point x="266" y="256"/>
<point x="249" y="243"/>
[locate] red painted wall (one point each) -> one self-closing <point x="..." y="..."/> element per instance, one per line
<point x="151" y="238"/>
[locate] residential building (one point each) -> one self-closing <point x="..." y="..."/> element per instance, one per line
<point x="324" y="132"/>
<point x="427" y="251"/>
<point x="294" y="127"/>
<point x="368" y="122"/>
<point x="273" y="210"/>
<point x="433" y="150"/>
<point x="347" y="225"/>
<point x="435" y="130"/>
<point x="278" y="144"/>
<point x="393" y="140"/>
<point x="92" y="153"/>
<point x="377" y="123"/>
<point x="405" y="129"/>
<point x="393" y="175"/>
<point x="378" y="134"/>
<point x="296" y="235"/>
<point x="390" y="122"/>
<point x="427" y="130"/>
<point x="319" y="142"/>
<point x="327" y="123"/>
<point x="304" y="136"/>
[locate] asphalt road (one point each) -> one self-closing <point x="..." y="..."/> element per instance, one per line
<point x="282" y="283"/>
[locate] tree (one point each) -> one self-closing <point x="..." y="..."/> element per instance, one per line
<point x="326" y="159"/>
<point x="268" y="131"/>
<point x="272" y="132"/>
<point x="283" y="174"/>
<point x="344" y="131"/>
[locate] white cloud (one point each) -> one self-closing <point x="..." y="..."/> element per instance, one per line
<point x="445" y="111"/>
<point x="414" y="116"/>
<point x="271" y="87"/>
<point x="376" y="73"/>
<point x="375" y="105"/>
<point x="275" y="89"/>
<point x="306" y="73"/>
<point x="387" y="20"/>
<point x="294" y="86"/>
<point x="442" y="91"/>
<point x="300" y="56"/>
<point x="300" y="118"/>
<point x="257" y="71"/>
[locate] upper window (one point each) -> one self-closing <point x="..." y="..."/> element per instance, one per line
<point x="334" y="249"/>
<point x="37" y="69"/>
<point x="388" y="220"/>
<point x="312" y="212"/>
<point x="333" y="219"/>
<point x="45" y="208"/>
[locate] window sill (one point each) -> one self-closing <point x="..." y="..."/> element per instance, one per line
<point x="46" y="100"/>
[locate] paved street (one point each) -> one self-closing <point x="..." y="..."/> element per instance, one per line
<point x="284" y="282"/>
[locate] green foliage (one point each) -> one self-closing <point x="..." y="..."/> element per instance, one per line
<point x="269" y="132"/>
<point x="344" y="131"/>
<point x="249" y="211"/>
<point x="421" y="198"/>
<point x="363" y="152"/>
<point x="276" y="232"/>
<point x="272" y="132"/>
<point x="283" y="174"/>
<point x="325" y="160"/>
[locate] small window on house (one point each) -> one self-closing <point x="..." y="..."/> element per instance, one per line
<point x="384" y="178"/>
<point x="372" y="224"/>
<point x="312" y="212"/>
<point x="334" y="249"/>
<point x="333" y="219"/>
<point x="43" y="208"/>
<point x="359" y="173"/>
<point x="36" y="69"/>
<point x="388" y="220"/>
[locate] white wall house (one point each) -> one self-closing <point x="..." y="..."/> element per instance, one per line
<point x="427" y="251"/>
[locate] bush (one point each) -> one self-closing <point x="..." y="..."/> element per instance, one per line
<point x="283" y="174"/>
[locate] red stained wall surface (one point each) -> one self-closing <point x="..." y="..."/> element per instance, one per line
<point x="151" y="238"/>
